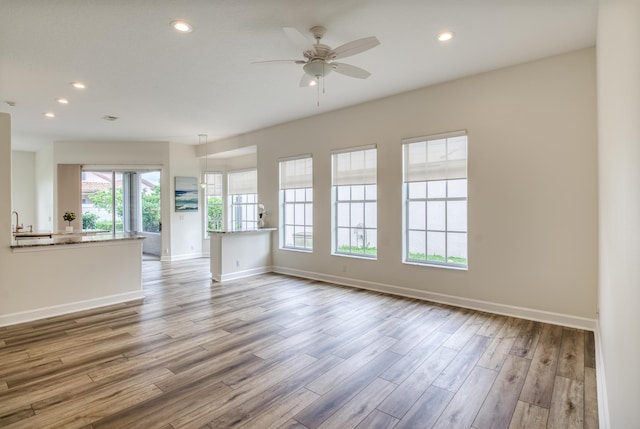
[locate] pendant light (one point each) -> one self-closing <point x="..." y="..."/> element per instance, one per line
<point x="201" y="138"/>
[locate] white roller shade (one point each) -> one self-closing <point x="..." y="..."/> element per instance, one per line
<point x="243" y="182"/>
<point x="214" y="184"/>
<point x="296" y="173"/>
<point x="358" y="167"/>
<point x="435" y="159"/>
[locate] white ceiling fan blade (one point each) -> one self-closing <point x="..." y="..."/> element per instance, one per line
<point x="279" y="61"/>
<point x="308" y="80"/>
<point x="298" y="39"/>
<point x="356" y="47"/>
<point x="349" y="70"/>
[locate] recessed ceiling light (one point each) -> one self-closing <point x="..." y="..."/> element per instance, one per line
<point x="50" y="115"/>
<point x="78" y="85"/>
<point x="62" y="100"/>
<point x="182" y="26"/>
<point x="445" y="35"/>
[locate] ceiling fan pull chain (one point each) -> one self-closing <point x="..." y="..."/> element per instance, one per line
<point x="318" y="91"/>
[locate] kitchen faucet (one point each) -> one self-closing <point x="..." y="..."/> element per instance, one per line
<point x="18" y="226"/>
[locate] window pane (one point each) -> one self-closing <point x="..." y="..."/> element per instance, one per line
<point x="457" y="248"/>
<point x="436" y="246"/>
<point x="371" y="242"/>
<point x="417" y="245"/>
<point x="343" y="240"/>
<point x="370" y="215"/>
<point x="457" y="188"/>
<point x="308" y="214"/>
<point x="457" y="216"/>
<point x="288" y="213"/>
<point x="309" y="194"/>
<point x="357" y="215"/>
<point x="437" y="189"/>
<point x="289" y="195"/>
<point x="299" y="214"/>
<point x="416" y="215"/>
<point x="300" y="194"/>
<point x="357" y="192"/>
<point x="288" y="236"/>
<point x="436" y="215"/>
<point x="343" y="214"/>
<point x="371" y="192"/>
<point x="418" y="190"/>
<point x="344" y="193"/>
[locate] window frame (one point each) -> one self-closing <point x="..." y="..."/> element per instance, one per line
<point x="245" y="205"/>
<point x="426" y="199"/>
<point x="337" y="201"/>
<point x="292" y="185"/>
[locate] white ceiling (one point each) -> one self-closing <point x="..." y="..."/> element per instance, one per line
<point x="169" y="86"/>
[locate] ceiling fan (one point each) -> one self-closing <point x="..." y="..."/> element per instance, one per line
<point x="319" y="58"/>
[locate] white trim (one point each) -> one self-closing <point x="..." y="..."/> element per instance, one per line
<point x="447" y="135"/>
<point x="354" y="149"/>
<point x="503" y="309"/>
<point x="57" y="310"/>
<point x="294" y="157"/>
<point x="601" y="383"/>
<point x="242" y="274"/>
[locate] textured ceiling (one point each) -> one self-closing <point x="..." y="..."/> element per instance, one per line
<point x="168" y="86"/>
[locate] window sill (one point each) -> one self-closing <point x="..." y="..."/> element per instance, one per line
<point x="427" y="264"/>
<point x="296" y="249"/>
<point x="347" y="255"/>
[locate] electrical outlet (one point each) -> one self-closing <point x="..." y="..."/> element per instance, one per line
<point x="237" y="262"/>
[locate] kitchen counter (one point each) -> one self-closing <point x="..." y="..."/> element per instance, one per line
<point x="240" y="253"/>
<point x="69" y="239"/>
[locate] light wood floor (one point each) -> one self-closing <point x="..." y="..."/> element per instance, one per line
<point x="279" y="352"/>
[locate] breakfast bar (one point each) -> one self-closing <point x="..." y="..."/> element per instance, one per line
<point x="240" y="253"/>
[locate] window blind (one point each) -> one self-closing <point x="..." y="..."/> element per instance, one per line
<point x="296" y="173"/>
<point x="214" y="184"/>
<point x="435" y="159"/>
<point x="354" y="168"/>
<point x="243" y="182"/>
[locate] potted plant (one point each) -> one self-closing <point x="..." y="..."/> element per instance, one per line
<point x="69" y="217"/>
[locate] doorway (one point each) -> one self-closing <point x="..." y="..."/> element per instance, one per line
<point x="124" y="201"/>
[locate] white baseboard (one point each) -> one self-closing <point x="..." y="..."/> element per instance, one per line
<point x="182" y="257"/>
<point x="601" y="383"/>
<point x="57" y="310"/>
<point x="244" y="273"/>
<point x="474" y="304"/>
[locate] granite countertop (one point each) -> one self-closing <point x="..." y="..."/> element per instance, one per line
<point x="74" y="238"/>
<point x="239" y="231"/>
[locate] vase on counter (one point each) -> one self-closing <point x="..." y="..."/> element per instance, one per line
<point x="69" y="229"/>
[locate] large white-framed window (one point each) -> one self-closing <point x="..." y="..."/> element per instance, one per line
<point x="214" y="202"/>
<point x="355" y="202"/>
<point x="296" y="201"/>
<point x="243" y="199"/>
<point x="435" y="200"/>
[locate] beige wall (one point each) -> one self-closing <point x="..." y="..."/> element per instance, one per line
<point x="23" y="186"/>
<point x="532" y="188"/>
<point x="69" y="195"/>
<point x="619" y="177"/>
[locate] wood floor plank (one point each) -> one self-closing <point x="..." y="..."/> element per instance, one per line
<point x="590" y="399"/>
<point x="464" y="406"/>
<point x="353" y="412"/>
<point x="378" y="420"/>
<point x="412" y="388"/>
<point x="528" y="416"/>
<point x="571" y="364"/>
<point x="567" y="404"/>
<point x="245" y="354"/>
<point x="500" y="403"/>
<point x="463" y="364"/>
<point x="538" y="387"/>
<point x="425" y="411"/>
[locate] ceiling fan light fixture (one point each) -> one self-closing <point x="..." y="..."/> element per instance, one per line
<point x="182" y="26"/>
<point x="317" y="68"/>
<point x="445" y="36"/>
